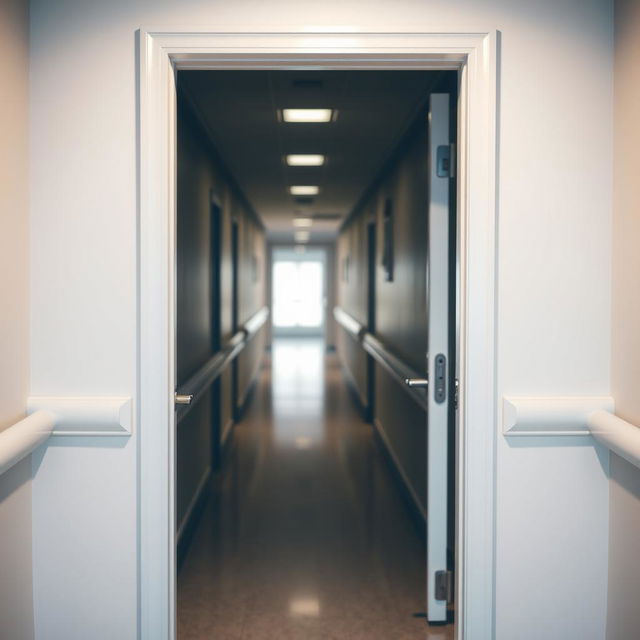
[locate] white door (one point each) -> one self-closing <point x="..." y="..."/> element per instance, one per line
<point x="439" y="393"/>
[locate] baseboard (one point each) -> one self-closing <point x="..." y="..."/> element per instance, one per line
<point x="248" y="394"/>
<point x="352" y="386"/>
<point x="417" y="511"/>
<point x="187" y="528"/>
<point x="225" y="436"/>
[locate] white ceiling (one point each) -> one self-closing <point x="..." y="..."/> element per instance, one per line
<point x="239" y="109"/>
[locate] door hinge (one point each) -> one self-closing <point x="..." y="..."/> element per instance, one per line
<point x="445" y="161"/>
<point x="444" y="586"/>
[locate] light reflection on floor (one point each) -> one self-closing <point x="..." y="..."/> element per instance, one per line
<point x="305" y="537"/>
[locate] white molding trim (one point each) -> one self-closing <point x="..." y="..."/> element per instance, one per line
<point x="86" y="416"/>
<point x="551" y="416"/>
<point x="474" y="54"/>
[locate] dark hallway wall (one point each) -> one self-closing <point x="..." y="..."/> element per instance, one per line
<point x="204" y="316"/>
<point x="400" y="194"/>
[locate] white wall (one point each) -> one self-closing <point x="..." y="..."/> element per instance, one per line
<point x="624" y="567"/>
<point x="16" y="602"/>
<point x="554" y="287"/>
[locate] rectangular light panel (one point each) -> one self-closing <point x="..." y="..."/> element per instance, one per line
<point x="302" y="222"/>
<point x="305" y="160"/>
<point x="304" y="190"/>
<point x="307" y="115"/>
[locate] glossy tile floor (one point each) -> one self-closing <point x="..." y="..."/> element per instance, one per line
<point x="305" y="536"/>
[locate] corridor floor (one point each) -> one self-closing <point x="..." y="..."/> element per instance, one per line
<point x="305" y="536"/>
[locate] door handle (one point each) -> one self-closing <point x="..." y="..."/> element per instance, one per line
<point x="417" y="383"/>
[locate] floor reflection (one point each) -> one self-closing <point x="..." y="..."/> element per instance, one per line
<point x="305" y="536"/>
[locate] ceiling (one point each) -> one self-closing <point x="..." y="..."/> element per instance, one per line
<point x="240" y="111"/>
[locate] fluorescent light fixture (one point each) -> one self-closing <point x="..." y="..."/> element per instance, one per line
<point x="301" y="236"/>
<point x="302" y="222"/>
<point x="305" y="160"/>
<point x="304" y="190"/>
<point x="307" y="115"/>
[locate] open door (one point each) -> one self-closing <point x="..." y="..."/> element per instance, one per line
<point x="440" y="391"/>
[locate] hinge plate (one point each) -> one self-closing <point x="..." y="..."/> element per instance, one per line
<point x="444" y="586"/>
<point x="445" y="161"/>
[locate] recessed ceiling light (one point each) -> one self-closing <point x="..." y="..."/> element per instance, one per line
<point x="304" y="190"/>
<point x="305" y="160"/>
<point x="302" y="222"/>
<point x="301" y="236"/>
<point x="307" y="115"/>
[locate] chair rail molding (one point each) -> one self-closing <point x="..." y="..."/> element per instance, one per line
<point x="551" y="415"/>
<point x="86" y="415"/>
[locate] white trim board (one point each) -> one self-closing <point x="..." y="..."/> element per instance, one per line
<point x="86" y="415"/>
<point x="162" y="51"/>
<point x="551" y="416"/>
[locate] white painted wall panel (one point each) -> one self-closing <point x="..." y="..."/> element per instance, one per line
<point x="554" y="289"/>
<point x="16" y="603"/>
<point x="624" y="560"/>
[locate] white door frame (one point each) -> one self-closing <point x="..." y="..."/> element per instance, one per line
<point x="474" y="53"/>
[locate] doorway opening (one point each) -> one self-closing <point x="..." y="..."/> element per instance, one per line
<point x="473" y="54"/>
<point x="322" y="427"/>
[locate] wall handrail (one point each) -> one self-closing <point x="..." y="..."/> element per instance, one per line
<point x="20" y="439"/>
<point x="617" y="435"/>
<point x="348" y="322"/>
<point x="198" y="384"/>
<point x="255" y="322"/>
<point x="399" y="370"/>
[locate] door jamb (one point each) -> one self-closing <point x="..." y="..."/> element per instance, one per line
<point x="474" y="54"/>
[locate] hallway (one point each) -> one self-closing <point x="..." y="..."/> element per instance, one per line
<point x="306" y="535"/>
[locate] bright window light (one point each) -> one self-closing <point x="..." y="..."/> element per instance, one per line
<point x="302" y="222"/>
<point x="298" y="299"/>
<point x="307" y="115"/>
<point x="304" y="190"/>
<point x="305" y="160"/>
<point x="301" y="236"/>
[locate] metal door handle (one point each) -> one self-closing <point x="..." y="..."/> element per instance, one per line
<point x="417" y="383"/>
